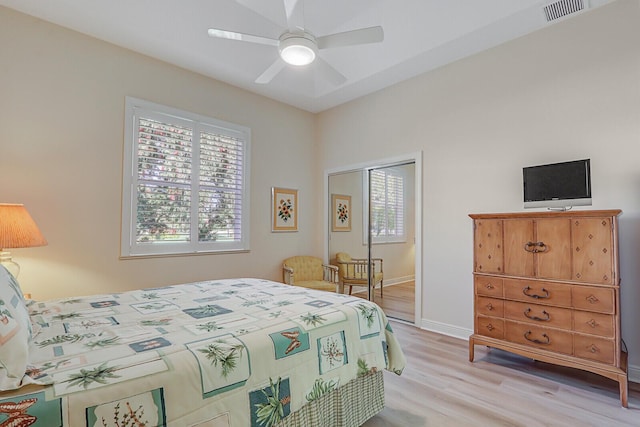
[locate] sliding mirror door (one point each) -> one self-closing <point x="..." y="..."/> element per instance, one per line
<point x="384" y="198"/>
<point x="391" y="215"/>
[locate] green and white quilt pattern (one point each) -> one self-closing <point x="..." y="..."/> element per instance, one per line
<point x="225" y="352"/>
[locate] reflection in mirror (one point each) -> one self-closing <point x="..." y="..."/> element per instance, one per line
<point x="346" y="224"/>
<point x="393" y="235"/>
<point x="392" y="218"/>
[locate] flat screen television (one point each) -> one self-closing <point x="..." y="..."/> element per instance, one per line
<point x="557" y="185"/>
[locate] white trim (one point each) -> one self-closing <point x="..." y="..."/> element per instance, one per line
<point x="392" y="282"/>
<point x="634" y="373"/>
<point x="446" y="329"/>
<point x="399" y="280"/>
<point x="416" y="158"/>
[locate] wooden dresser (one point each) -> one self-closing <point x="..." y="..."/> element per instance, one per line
<point x="547" y="286"/>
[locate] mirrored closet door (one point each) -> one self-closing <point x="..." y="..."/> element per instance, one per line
<point x="372" y="229"/>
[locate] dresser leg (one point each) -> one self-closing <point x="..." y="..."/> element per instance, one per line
<point x="471" y="348"/>
<point x="623" y="379"/>
<point x="624" y="389"/>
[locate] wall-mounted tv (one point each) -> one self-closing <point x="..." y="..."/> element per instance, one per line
<point x="557" y="185"/>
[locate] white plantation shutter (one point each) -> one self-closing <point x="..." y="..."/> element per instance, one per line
<point x="185" y="182"/>
<point x="387" y="205"/>
<point x="164" y="175"/>
<point x="221" y="186"/>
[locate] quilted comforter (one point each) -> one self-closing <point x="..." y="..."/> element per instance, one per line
<point x="233" y="352"/>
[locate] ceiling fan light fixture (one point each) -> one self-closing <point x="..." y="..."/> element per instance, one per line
<point x="298" y="50"/>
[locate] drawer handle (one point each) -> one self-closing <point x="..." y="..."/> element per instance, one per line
<point x="528" y="288"/>
<point x="593" y="348"/>
<point x="490" y="286"/>
<point x="539" y="319"/>
<point x="537" y="341"/>
<point x="535" y="247"/>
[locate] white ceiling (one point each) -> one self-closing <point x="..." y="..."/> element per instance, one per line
<point x="419" y="35"/>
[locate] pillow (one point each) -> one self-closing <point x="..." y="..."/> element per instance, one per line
<point x="15" y="332"/>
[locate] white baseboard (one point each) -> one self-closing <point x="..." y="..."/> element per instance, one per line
<point x="387" y="282"/>
<point x="446" y="329"/>
<point x="463" y="333"/>
<point x="634" y="374"/>
<point x="398" y="280"/>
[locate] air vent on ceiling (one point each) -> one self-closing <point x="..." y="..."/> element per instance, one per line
<point x="562" y="8"/>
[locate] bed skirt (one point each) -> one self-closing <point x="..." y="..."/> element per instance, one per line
<point x="348" y="406"/>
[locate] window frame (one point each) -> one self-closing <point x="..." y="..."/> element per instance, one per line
<point x="377" y="240"/>
<point x="134" y="110"/>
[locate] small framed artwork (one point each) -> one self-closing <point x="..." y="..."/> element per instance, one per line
<point x="284" y="209"/>
<point x="341" y="216"/>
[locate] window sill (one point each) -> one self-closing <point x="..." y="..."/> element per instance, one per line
<point x="186" y="254"/>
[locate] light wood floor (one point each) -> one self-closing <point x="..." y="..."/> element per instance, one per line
<point x="398" y="301"/>
<point x="441" y="388"/>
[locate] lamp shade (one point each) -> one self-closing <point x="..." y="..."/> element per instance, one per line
<point x="17" y="228"/>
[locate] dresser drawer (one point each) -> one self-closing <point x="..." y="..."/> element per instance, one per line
<point x="546" y="293"/>
<point x="488" y="286"/>
<point x="594" y="323"/>
<point x="490" y="327"/>
<point x="538" y="337"/>
<point x="539" y="315"/>
<point x="593" y="348"/>
<point x="591" y="298"/>
<point x="490" y="306"/>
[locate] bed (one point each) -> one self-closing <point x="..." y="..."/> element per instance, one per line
<point x="232" y="352"/>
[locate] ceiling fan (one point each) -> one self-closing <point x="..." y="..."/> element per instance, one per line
<point x="299" y="47"/>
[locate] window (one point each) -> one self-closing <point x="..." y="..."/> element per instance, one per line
<point x="387" y="205"/>
<point x="185" y="182"/>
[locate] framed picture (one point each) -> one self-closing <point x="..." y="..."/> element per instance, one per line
<point x="341" y="212"/>
<point x="284" y="209"/>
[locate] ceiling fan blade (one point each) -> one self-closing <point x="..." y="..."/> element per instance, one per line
<point x="270" y="72"/>
<point x="349" y="38"/>
<point x="232" y="35"/>
<point x="295" y="15"/>
<point x="328" y="72"/>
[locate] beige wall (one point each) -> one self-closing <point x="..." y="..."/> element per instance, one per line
<point x="61" y="140"/>
<point x="568" y="92"/>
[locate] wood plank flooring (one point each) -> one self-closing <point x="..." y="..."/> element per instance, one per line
<point x="398" y="301"/>
<point x="441" y="388"/>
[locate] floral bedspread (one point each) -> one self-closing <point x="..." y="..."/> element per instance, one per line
<point x="233" y="352"/>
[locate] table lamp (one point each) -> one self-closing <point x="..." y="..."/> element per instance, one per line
<point x="17" y="230"/>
